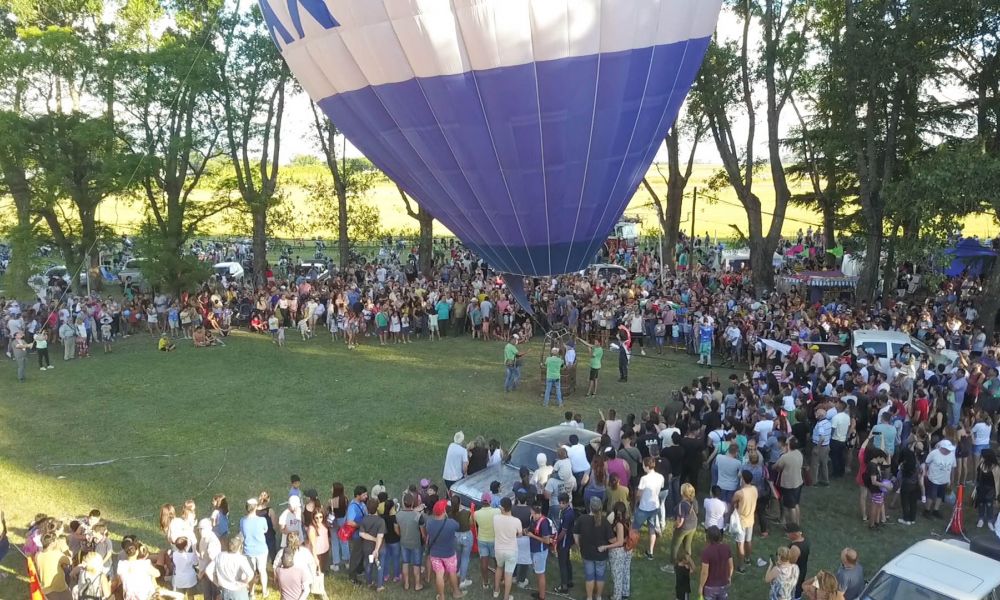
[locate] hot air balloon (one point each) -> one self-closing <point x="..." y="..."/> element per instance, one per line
<point x="524" y="126"/>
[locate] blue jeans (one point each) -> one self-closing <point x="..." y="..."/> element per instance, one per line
<point x="392" y="561"/>
<point x="593" y="570"/>
<point x="956" y="412"/>
<point x="340" y="552"/>
<point x="511" y="380"/>
<point x="373" y="574"/>
<point x="549" y="384"/>
<point x="463" y="547"/>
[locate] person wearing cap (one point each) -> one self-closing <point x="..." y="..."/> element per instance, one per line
<point x="511" y="358"/>
<point x="441" y="532"/>
<point x="290" y="519"/>
<point x="482" y="528"/>
<point x="253" y="531"/>
<point x="938" y="468"/>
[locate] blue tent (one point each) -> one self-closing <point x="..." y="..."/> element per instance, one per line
<point x="970" y="255"/>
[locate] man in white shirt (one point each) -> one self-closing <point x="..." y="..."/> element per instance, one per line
<point x="231" y="571"/>
<point x="938" y="467"/>
<point x="506" y="529"/>
<point x="763" y="428"/>
<point x="456" y="461"/>
<point x="577" y="454"/>
<point x="648" y="508"/>
<point x="715" y="510"/>
<point x="841" y="424"/>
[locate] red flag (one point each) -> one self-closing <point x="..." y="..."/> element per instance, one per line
<point x="955" y="525"/>
<point x="475" y="530"/>
<point x="34" y="586"/>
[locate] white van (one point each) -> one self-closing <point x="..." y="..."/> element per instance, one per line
<point x="937" y="570"/>
<point x="886" y="345"/>
<point x="605" y="271"/>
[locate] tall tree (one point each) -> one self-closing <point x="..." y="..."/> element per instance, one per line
<point x="725" y="88"/>
<point x="668" y="208"/>
<point x="352" y="178"/>
<point x="886" y="54"/>
<point x="426" y="221"/>
<point x="254" y="82"/>
<point x="174" y="123"/>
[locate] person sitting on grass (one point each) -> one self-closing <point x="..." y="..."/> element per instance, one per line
<point x="165" y="345"/>
<point x="202" y="338"/>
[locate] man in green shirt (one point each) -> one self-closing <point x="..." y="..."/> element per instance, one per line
<point x="381" y="325"/>
<point x="512" y="360"/>
<point x="553" y="377"/>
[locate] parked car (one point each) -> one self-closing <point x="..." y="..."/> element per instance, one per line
<point x="605" y="271"/>
<point x="61" y="272"/>
<point x="523" y="453"/>
<point x="133" y="270"/>
<point x="232" y="271"/>
<point x="940" y="570"/>
<point x="885" y="345"/>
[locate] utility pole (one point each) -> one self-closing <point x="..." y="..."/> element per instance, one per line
<point x="694" y="206"/>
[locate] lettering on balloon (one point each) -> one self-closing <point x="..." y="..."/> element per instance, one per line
<point x="280" y="31"/>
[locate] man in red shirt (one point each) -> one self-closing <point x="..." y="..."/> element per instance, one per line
<point x="716" y="567"/>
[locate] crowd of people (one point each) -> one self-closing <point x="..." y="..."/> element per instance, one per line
<point x="726" y="455"/>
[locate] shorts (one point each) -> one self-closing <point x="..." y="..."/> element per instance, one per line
<point x="643" y="517"/>
<point x="790" y="497"/>
<point x="935" y="490"/>
<point x="487" y="549"/>
<point x="381" y="330"/>
<point x="413" y="556"/>
<point x="705" y="348"/>
<point x="538" y="560"/>
<point x="506" y="560"/>
<point x="594" y="374"/>
<point x="747" y="535"/>
<point x="445" y="565"/>
<point x="258" y="563"/>
<point x="433" y="327"/>
<point x="593" y="570"/>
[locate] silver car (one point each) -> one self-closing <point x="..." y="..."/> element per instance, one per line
<point x="524" y="453"/>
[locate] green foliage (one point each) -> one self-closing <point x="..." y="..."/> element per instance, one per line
<point x="363" y="219"/>
<point x="166" y="268"/>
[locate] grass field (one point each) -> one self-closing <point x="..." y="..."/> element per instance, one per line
<point x="240" y="419"/>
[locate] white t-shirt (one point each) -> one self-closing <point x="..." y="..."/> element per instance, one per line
<point x="981" y="434"/>
<point x="578" y="458"/>
<point x="667" y="435"/>
<point x="454" y="461"/>
<point x="614" y="431"/>
<point x="649" y="491"/>
<point x="185" y="577"/>
<point x="291" y="521"/>
<point x="762" y="429"/>
<point x="715" y="513"/>
<point x="939" y="467"/>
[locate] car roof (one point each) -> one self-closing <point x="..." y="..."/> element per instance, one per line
<point x="607" y="266"/>
<point x="552" y="437"/>
<point x="867" y="335"/>
<point x="947" y="568"/>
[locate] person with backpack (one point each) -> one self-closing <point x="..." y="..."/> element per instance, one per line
<point x="92" y="582"/>
<point x="620" y="549"/>
<point x="540" y="538"/>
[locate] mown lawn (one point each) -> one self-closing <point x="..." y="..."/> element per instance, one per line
<point x="240" y="419"/>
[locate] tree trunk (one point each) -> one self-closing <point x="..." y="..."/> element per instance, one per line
<point x="259" y="214"/>
<point x="426" y="246"/>
<point x="829" y="224"/>
<point x="22" y="237"/>
<point x="343" y="242"/>
<point x="989" y="302"/>
<point x="761" y="264"/>
<point x="90" y="257"/>
<point x="868" y="280"/>
<point x="672" y="223"/>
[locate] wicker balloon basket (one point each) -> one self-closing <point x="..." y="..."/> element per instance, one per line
<point x="561" y="338"/>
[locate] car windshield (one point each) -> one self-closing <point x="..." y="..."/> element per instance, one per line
<point x="524" y="454"/>
<point x="888" y="587"/>
<point x="876" y="348"/>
